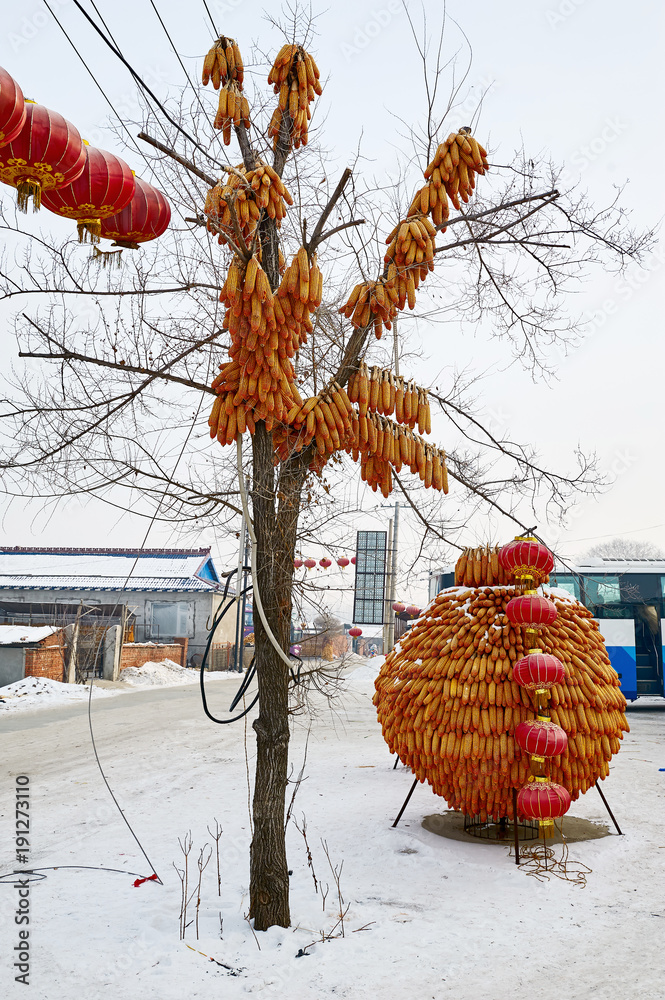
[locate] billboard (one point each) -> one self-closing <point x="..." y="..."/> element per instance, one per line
<point x="369" y="597"/>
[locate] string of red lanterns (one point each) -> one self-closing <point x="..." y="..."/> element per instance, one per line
<point x="47" y="153"/>
<point x="540" y="799"/>
<point x="326" y="563"/>
<point x="105" y="185"/>
<point x="12" y="108"/>
<point x="44" y="157"/>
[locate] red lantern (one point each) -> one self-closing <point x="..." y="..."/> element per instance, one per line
<point x="145" y="218"/>
<point x="527" y="557"/>
<point x="325" y="562"/>
<point x="343" y="562"/>
<point x="538" y="671"/>
<point x="12" y="108"/>
<point x="355" y="631"/>
<point x="353" y="560"/>
<point x="543" y="800"/>
<point x="532" y="610"/>
<point x="47" y="153"/>
<point x="412" y="611"/>
<point x="544" y="739"/>
<point x="297" y="563"/>
<point x="104" y="187"/>
<point x="310" y="563"/>
<point x="398" y="608"/>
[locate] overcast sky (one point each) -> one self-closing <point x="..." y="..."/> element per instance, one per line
<point x="580" y="80"/>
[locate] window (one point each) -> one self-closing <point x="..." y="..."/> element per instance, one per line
<point x="602" y="589"/>
<point x="368" y="602"/>
<point x="564" y="581"/>
<point x="170" y="619"/>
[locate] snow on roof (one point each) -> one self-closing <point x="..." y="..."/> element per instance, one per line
<point x="24" y="568"/>
<point x="12" y="634"/>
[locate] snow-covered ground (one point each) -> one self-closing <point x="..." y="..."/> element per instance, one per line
<point x="41" y="692"/>
<point x="428" y="916"/>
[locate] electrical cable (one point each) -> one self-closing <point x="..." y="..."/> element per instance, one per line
<point x="251" y="670"/>
<point x="8" y="877"/>
<point x="214" y="29"/>
<point x="177" y="55"/>
<point x="100" y="88"/>
<point x="145" y="87"/>
<point x="110" y="790"/>
<point x="245" y="682"/>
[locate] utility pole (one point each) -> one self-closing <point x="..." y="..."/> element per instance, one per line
<point x="387" y="610"/>
<point x="391" y="578"/>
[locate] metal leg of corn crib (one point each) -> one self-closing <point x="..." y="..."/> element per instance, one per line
<point x="406" y="802"/>
<point x="618" y="829"/>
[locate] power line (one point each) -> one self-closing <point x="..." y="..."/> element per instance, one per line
<point x="99" y="87"/>
<point x="214" y="29"/>
<point x="144" y="86"/>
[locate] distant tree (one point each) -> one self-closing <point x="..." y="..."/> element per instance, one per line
<point x="625" y="548"/>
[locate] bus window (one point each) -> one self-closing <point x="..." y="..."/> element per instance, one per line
<point x="564" y="581"/>
<point x="602" y="589"/>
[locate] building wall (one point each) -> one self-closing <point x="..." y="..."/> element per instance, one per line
<point x="136" y="654"/>
<point x="47" y="661"/>
<point x="204" y="603"/>
<point x="11" y="664"/>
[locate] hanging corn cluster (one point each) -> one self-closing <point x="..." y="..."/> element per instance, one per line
<point x="481" y="565"/>
<point x="327" y="419"/>
<point x="259" y="382"/>
<point x="382" y="443"/>
<point x="295" y="76"/>
<point x="410" y="253"/>
<point x="223" y="66"/>
<point x="379" y="390"/>
<point x="250" y="192"/>
<point x="451" y="174"/>
<point x="299" y="293"/>
<point x="449" y="706"/>
<point x="372" y="301"/>
<point x="267" y="328"/>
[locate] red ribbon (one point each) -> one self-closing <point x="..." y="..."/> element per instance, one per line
<point x="140" y="881"/>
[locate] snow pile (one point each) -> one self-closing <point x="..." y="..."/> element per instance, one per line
<point x="167" y="673"/>
<point x="42" y="692"/>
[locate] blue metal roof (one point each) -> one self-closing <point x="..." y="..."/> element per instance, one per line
<point x="107" y="569"/>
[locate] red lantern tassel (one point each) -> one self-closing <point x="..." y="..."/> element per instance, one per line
<point x="107" y="257"/>
<point x="89" y="230"/>
<point x="25" y="190"/>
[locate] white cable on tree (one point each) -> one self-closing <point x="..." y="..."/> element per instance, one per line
<point x="252" y="537"/>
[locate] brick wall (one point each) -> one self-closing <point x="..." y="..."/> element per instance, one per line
<point x="47" y="661"/>
<point x="135" y="654"/>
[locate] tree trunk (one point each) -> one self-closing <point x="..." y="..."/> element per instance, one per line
<point x="275" y="529"/>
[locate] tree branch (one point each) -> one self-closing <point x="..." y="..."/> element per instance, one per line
<point x="499" y="208"/>
<point x="187" y="164"/>
<point x="316" y="237"/>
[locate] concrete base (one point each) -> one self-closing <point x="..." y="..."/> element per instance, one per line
<point x="451" y="825"/>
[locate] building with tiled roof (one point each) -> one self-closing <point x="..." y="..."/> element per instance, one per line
<point x="172" y="593"/>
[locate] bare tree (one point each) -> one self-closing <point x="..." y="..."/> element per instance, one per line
<point x="625" y="548"/>
<point x="118" y="412"/>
